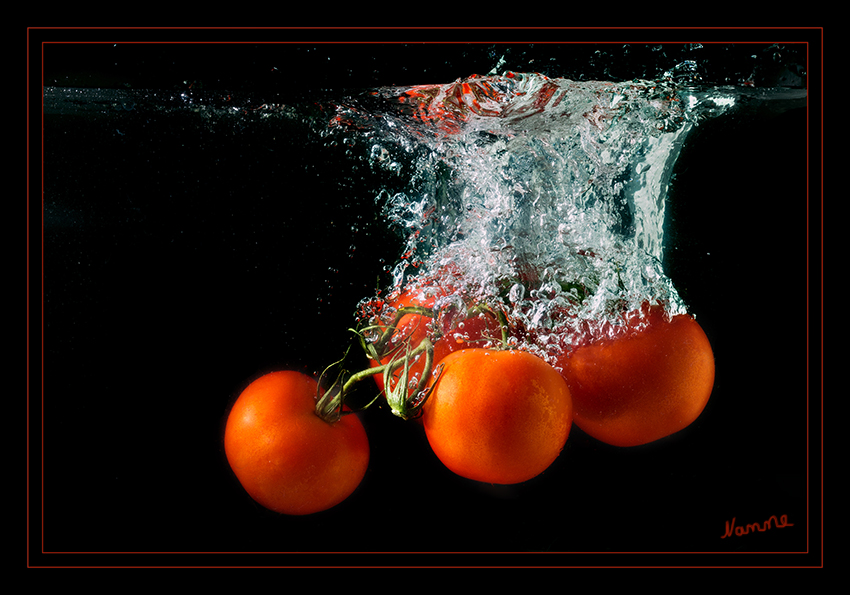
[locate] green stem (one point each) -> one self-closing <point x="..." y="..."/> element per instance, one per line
<point x="329" y="405"/>
<point x="403" y="404"/>
<point x="381" y="343"/>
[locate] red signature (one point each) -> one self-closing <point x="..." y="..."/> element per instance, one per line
<point x="770" y="523"/>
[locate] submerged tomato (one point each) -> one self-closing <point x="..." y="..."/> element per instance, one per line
<point x="285" y="456"/>
<point x="499" y="417"/>
<point x="461" y="332"/>
<point x="643" y="385"/>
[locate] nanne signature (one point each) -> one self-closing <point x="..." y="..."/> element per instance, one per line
<point x="770" y="523"/>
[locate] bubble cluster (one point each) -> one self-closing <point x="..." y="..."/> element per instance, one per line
<point x="548" y="195"/>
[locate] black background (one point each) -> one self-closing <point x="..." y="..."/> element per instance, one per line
<point x="173" y="260"/>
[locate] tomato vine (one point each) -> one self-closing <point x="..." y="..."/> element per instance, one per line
<point x="404" y="401"/>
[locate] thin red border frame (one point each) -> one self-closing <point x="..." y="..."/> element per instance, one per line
<point x="324" y="30"/>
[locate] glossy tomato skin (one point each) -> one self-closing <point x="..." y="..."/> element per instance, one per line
<point x="644" y="385"/>
<point x="413" y="328"/>
<point x="285" y="456"/>
<point x="498" y="417"/>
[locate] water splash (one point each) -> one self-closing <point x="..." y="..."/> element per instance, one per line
<point x="547" y="194"/>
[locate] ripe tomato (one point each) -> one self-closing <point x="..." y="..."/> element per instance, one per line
<point x="499" y="417"/>
<point x="647" y="383"/>
<point x="462" y="332"/>
<point x="285" y="456"/>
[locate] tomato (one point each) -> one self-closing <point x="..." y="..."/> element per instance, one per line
<point x="285" y="456"/>
<point x="498" y="417"/>
<point x="459" y="331"/>
<point x="647" y="383"/>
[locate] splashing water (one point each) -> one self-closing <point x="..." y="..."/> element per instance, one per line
<point x="545" y="196"/>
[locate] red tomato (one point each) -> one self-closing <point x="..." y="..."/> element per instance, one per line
<point x="460" y="333"/>
<point x="285" y="456"/>
<point x="647" y="383"/>
<point x="499" y="417"/>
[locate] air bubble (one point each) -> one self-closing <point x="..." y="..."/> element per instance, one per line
<point x="546" y="196"/>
